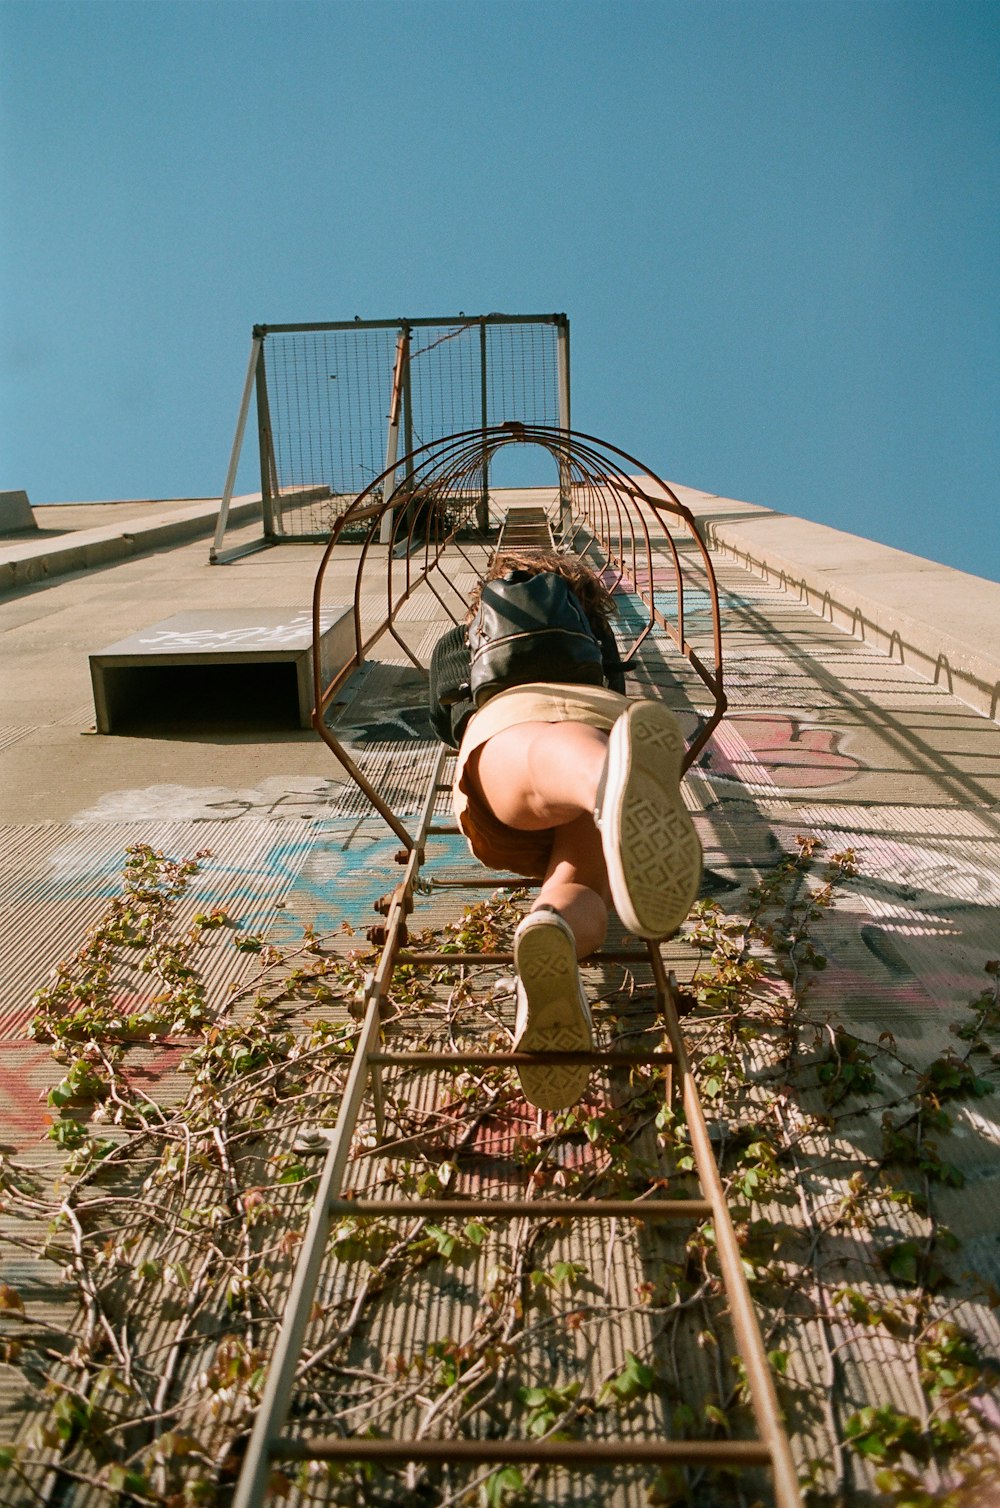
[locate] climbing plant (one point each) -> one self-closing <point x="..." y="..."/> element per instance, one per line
<point x="177" y="1216"/>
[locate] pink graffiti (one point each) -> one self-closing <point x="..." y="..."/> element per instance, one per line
<point x="794" y="755"/>
<point x="23" y="1090"/>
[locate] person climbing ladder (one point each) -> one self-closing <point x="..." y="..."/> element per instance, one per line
<point x="564" y="781"/>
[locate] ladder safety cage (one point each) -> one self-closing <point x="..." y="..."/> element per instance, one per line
<point x="424" y="513"/>
<point x="342" y="402"/>
<point x="608" y="504"/>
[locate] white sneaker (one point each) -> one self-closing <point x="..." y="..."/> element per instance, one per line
<point x="651" y="848"/>
<point x="552" y="1011"/>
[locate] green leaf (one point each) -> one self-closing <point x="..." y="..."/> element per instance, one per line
<point x="635" y="1379"/>
<point x="68" y="1134"/>
<point x="565" y="1274"/>
<point x="125" y="1479"/>
<point x="178" y="1274"/>
<point x="295" y="1172"/>
<point x="901" y="1262"/>
<point x="445" y="1243"/>
<point x="499" y="1483"/>
<point x="533" y="1397"/>
<point x="638" y="1372"/>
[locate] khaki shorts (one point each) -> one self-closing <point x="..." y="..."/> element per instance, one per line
<point x="492" y="842"/>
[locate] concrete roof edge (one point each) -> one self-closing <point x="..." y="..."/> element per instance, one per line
<point x="30" y="562"/>
<point x="941" y="621"/>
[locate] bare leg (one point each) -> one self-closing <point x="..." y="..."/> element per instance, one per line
<point x="576" y="883"/>
<point x="545" y="775"/>
<point x="539" y="775"/>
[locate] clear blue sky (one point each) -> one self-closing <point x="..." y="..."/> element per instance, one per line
<point x="773" y="224"/>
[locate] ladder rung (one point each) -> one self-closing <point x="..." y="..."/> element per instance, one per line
<point x="434" y="1059"/>
<point x="434" y="960"/>
<point x="537" y="1452"/>
<point x="531" y="1209"/>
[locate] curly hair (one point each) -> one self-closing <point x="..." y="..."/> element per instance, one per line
<point x="595" y="599"/>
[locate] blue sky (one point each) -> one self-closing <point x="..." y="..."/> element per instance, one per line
<point x="773" y="224"/>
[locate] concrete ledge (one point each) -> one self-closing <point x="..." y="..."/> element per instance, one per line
<point x="941" y="622"/>
<point x="208" y="667"/>
<point x="28" y="562"/>
<point x="15" y="512"/>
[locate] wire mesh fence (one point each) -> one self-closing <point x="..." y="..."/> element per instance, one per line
<point x="329" y="393"/>
<point x="336" y="404"/>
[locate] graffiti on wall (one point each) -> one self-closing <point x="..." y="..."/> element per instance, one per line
<point x="779" y="751"/>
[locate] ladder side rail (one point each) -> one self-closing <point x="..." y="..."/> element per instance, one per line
<point x="749" y="1342"/>
<point x="580" y="1453"/>
<point x="276" y="1399"/>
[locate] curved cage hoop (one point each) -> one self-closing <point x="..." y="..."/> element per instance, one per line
<point x="423" y="514"/>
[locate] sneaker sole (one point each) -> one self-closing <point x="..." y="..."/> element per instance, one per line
<point x="652" y="850"/>
<point x="558" y="1019"/>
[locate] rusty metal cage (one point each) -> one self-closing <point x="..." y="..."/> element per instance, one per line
<point x="602" y="491"/>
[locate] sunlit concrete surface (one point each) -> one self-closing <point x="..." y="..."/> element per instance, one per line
<point x="942" y="622"/>
<point x="80" y="536"/>
<point x="829" y="735"/>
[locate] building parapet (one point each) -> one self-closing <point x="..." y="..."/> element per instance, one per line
<point x="32" y="561"/>
<point x="942" y="622"/>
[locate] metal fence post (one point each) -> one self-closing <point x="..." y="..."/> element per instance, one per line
<point x="270" y="494"/>
<point x="483" y="508"/>
<point x="392" y="439"/>
<point x="565" y="471"/>
<point x="256" y="347"/>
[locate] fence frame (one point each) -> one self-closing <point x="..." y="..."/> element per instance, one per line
<point x="399" y="418"/>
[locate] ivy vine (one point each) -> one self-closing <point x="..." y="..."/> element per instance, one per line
<point x="177" y="1217"/>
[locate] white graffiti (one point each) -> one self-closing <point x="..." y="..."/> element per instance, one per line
<point x="279" y="798"/>
<point x="278" y="636"/>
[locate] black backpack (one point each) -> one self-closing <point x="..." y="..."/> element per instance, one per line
<point x="531" y="628"/>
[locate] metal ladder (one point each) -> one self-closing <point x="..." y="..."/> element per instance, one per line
<point x="526" y="530"/>
<point x="271" y="1441"/>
